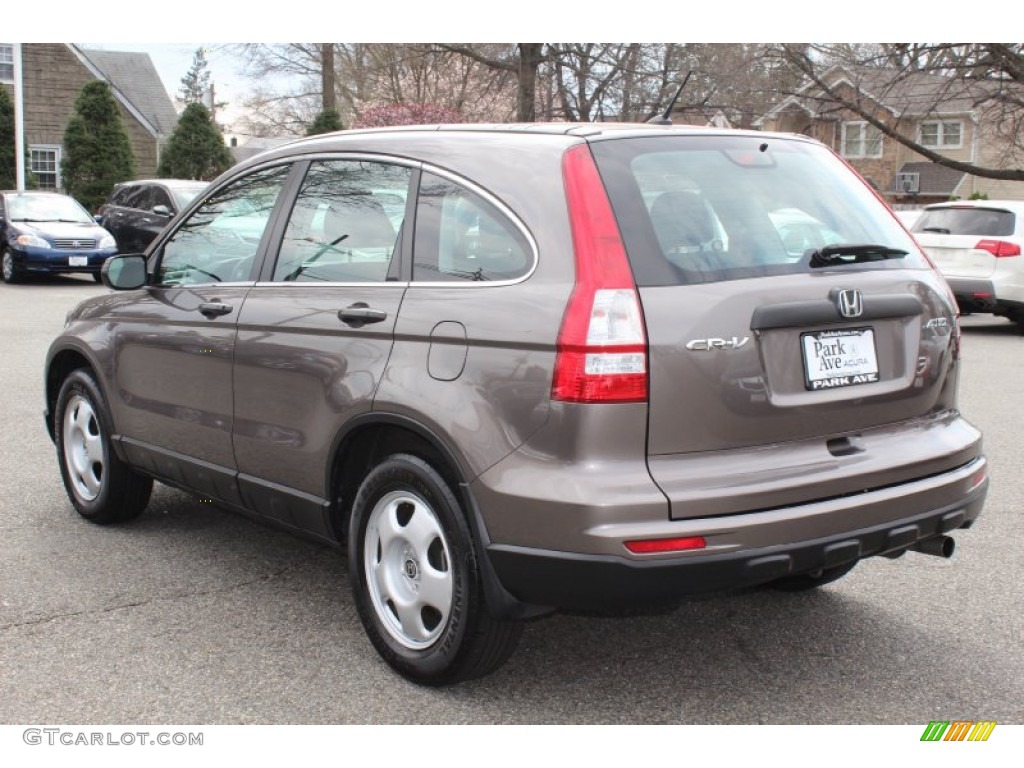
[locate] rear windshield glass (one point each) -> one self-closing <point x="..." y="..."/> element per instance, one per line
<point x="698" y="209"/>
<point x="987" y="222"/>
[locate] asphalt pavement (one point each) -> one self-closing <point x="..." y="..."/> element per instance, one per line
<point x="192" y="614"/>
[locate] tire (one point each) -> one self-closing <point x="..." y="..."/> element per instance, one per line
<point x="8" y="269"/>
<point x="97" y="277"/>
<point x="101" y="487"/>
<point x="415" y="579"/>
<point x="802" y="582"/>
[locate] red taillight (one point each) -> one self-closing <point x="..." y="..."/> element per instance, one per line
<point x="602" y="345"/>
<point x="648" y="546"/>
<point x="998" y="248"/>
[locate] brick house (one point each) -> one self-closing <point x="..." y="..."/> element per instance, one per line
<point x="957" y="120"/>
<point x="53" y="76"/>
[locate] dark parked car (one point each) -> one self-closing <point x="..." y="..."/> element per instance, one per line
<point x="518" y="369"/>
<point x="137" y="211"/>
<point x="49" y="233"/>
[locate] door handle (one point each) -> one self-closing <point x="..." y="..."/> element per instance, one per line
<point x="215" y="308"/>
<point x="359" y="314"/>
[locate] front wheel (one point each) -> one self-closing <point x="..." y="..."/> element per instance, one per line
<point x="415" y="578"/>
<point x="8" y="269"/>
<point x="101" y="487"/>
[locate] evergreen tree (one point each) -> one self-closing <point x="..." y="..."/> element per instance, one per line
<point x="97" y="151"/>
<point x="8" y="171"/>
<point x="196" y="148"/>
<point x="196" y="82"/>
<point x="325" y="122"/>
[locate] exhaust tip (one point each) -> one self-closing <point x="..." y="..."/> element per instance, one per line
<point x="939" y="546"/>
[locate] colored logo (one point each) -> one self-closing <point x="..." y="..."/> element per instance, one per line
<point x="958" y="730"/>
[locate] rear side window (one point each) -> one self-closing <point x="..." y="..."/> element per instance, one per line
<point x="987" y="222"/>
<point x="461" y="237"/>
<point x="708" y="208"/>
<point x="120" y="196"/>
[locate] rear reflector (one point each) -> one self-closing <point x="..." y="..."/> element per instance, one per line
<point x="998" y="248"/>
<point x="602" y="345"/>
<point x="977" y="479"/>
<point x="648" y="546"/>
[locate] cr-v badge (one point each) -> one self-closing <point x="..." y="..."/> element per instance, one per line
<point x="706" y="345"/>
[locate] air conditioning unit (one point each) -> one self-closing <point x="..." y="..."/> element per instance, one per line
<point x="908" y="183"/>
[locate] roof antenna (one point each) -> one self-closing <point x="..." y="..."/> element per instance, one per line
<point x="664" y="119"/>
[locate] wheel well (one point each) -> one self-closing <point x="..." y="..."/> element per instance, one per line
<point x="62" y="364"/>
<point x="363" y="449"/>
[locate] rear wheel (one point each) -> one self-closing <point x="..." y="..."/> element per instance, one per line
<point x="415" y="578"/>
<point x="8" y="269"/>
<point x="812" y="580"/>
<point x="101" y="487"/>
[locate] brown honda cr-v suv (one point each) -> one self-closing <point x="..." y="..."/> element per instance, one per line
<point x="518" y="369"/>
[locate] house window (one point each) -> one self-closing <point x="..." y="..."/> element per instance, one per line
<point x="44" y="162"/>
<point x="6" y="63"/>
<point x="942" y="133"/>
<point x="861" y="140"/>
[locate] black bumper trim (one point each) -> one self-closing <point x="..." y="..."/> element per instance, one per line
<point x="595" y="582"/>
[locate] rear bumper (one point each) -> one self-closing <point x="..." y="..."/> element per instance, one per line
<point x="999" y="296"/>
<point x="973" y="294"/>
<point x="590" y="582"/>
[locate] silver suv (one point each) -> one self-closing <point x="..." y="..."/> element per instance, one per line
<point x="519" y="369"/>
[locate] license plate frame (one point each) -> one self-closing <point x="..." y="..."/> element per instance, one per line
<point x="839" y="358"/>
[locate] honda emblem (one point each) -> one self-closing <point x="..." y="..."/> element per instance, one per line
<point x="850" y="302"/>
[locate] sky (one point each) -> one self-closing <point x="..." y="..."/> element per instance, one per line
<point x="173" y="61"/>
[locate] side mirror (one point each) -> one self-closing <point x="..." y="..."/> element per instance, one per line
<point x="162" y="210"/>
<point x="124" y="273"/>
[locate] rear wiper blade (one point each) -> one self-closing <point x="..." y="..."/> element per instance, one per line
<point x="936" y="230"/>
<point x="837" y="255"/>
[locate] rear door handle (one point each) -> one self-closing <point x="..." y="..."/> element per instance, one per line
<point x="360" y="314"/>
<point x="215" y="308"/>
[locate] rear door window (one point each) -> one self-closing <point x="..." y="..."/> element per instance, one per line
<point x="345" y="224"/>
<point x="708" y="208"/>
<point x="986" y="222"/>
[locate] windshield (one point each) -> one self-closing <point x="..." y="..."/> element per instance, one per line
<point x="185" y="195"/>
<point x="46" y="208"/>
<point x="697" y="209"/>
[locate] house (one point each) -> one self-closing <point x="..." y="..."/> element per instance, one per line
<point x="961" y="121"/>
<point x="53" y="76"/>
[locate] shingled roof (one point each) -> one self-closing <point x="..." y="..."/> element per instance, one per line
<point x="903" y="93"/>
<point x="136" y="81"/>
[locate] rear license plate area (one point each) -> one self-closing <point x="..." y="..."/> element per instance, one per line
<point x="836" y="359"/>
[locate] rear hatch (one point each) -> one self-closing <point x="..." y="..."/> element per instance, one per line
<point x="782" y="370"/>
<point x="967" y="241"/>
